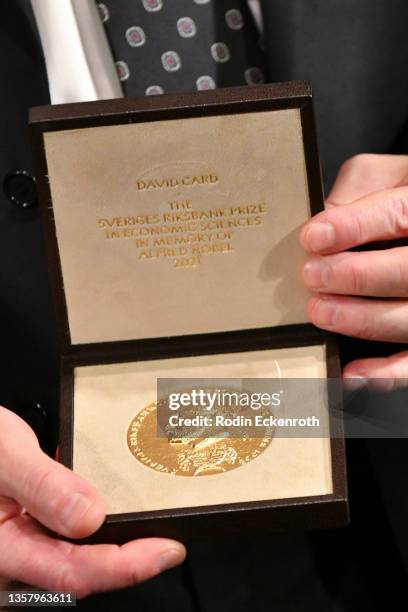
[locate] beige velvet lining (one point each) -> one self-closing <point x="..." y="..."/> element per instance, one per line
<point x="111" y="293"/>
<point x="108" y="397"/>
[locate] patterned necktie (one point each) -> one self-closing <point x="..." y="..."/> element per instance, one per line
<point x="183" y="45"/>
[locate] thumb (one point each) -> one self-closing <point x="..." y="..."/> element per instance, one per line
<point x="366" y="173"/>
<point x="59" y="499"/>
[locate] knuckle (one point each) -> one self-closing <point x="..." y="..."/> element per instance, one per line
<point x="136" y="576"/>
<point x="69" y="581"/>
<point x="393" y="376"/>
<point x="356" y="276"/>
<point x="366" y="327"/>
<point x="126" y="574"/>
<point x="36" y="482"/>
<point x="357" y="229"/>
<point x="361" y="164"/>
<point x="398" y="210"/>
<point x="401" y="271"/>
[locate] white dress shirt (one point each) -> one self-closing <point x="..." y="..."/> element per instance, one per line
<point x="79" y="62"/>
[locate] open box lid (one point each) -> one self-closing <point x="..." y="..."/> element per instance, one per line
<point x="177" y="215"/>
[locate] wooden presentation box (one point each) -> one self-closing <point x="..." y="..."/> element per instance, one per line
<point x="172" y="228"/>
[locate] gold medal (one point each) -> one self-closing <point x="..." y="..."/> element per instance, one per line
<point x="190" y="456"/>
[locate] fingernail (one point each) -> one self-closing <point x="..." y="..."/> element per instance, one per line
<point x="355" y="383"/>
<point x="316" y="273"/>
<point x="324" y="313"/>
<point x="171" y="558"/>
<point x="74" y="510"/>
<point x="320" y="236"/>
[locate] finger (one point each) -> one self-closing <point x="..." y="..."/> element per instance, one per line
<point x="383" y="373"/>
<point x="55" y="496"/>
<point x="364" y="174"/>
<point x="28" y="553"/>
<point x="370" y="319"/>
<point x="380" y="216"/>
<point x="375" y="273"/>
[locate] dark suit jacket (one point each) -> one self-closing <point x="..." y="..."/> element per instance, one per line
<point x="355" y="53"/>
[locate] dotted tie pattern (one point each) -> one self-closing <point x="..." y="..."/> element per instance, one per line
<point x="183" y="45"/>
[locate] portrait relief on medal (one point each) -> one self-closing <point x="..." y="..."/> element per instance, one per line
<point x="188" y="455"/>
